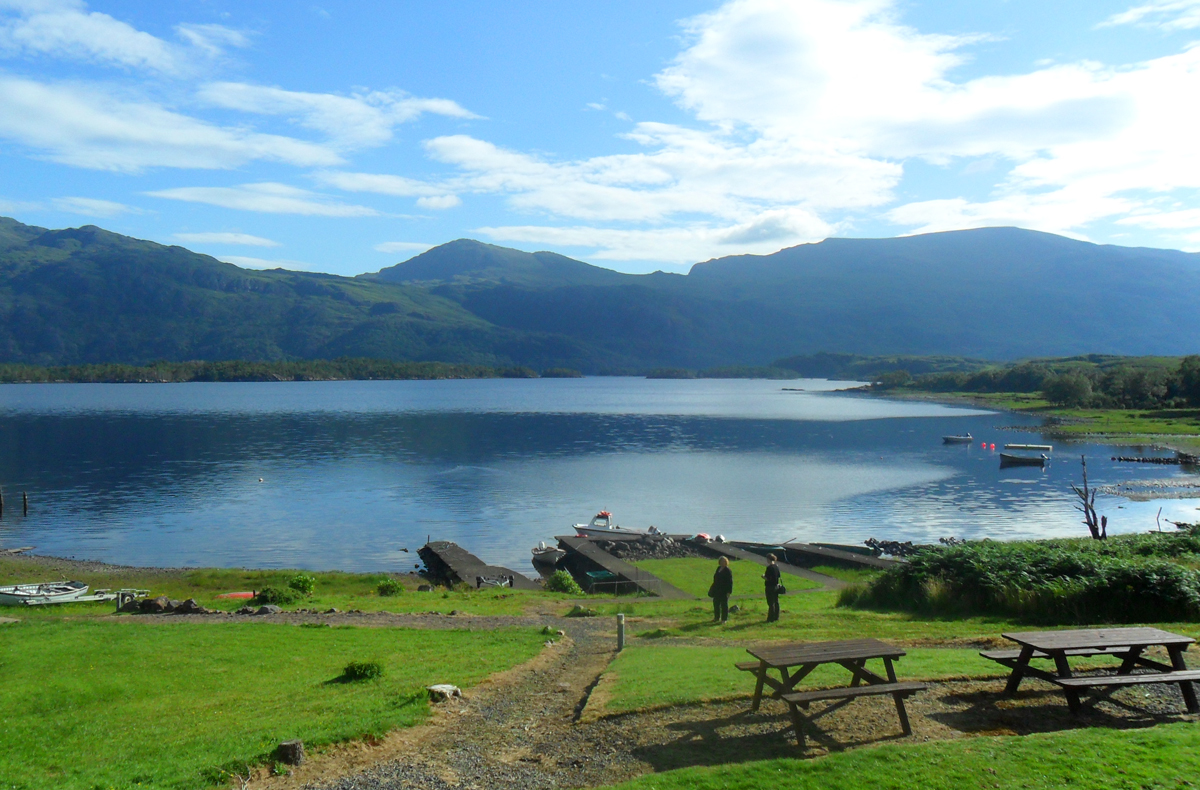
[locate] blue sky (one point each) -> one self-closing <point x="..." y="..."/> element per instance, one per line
<point x="344" y="137"/>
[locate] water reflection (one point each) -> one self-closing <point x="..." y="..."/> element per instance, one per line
<point x="170" y="475"/>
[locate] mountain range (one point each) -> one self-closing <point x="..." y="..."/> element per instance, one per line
<point x="86" y="295"/>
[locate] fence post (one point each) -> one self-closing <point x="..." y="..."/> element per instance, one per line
<point x="620" y="632"/>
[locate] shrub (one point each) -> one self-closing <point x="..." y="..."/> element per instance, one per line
<point x="362" y="670"/>
<point x="561" y="581"/>
<point x="1126" y="579"/>
<point x="389" y="586"/>
<point x="303" y="583"/>
<point x="277" y="595"/>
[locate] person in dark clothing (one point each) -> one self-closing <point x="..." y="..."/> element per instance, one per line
<point x="722" y="588"/>
<point x="771" y="583"/>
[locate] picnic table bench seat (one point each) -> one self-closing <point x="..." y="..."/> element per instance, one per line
<point x="801" y="699"/>
<point x="1091" y="681"/>
<point x="1083" y="652"/>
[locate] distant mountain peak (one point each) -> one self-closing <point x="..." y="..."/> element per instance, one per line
<point x="467" y="261"/>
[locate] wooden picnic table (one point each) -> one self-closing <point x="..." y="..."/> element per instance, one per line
<point x="1128" y="644"/>
<point x="796" y="661"/>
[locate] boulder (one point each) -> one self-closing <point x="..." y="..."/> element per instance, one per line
<point x="290" y="752"/>
<point x="190" y="606"/>
<point x="332" y="610"/>
<point x="246" y="610"/>
<point x="268" y="609"/>
<point x="132" y="607"/>
<point x="159" y="605"/>
<point x="443" y="692"/>
<point x="425" y="588"/>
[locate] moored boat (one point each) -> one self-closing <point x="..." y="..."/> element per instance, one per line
<point x="1046" y="448"/>
<point x="547" y="556"/>
<point x="602" y="526"/>
<point x="41" y="593"/>
<point x="1008" y="459"/>
<point x="964" y="439"/>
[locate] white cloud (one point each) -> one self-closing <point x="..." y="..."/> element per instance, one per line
<point x="84" y="126"/>
<point x="212" y="39"/>
<point x="93" y="207"/>
<point x="809" y="111"/>
<point x="439" y="202"/>
<point x="244" y="239"/>
<point x="66" y="29"/>
<point x="267" y="198"/>
<point x="1169" y="15"/>
<point x="682" y="243"/>
<point x="379" y="183"/>
<point x="415" y="247"/>
<point x="356" y="121"/>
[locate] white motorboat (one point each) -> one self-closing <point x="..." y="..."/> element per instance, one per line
<point x="42" y="593"/>
<point x="602" y="526"/>
<point x="966" y="438"/>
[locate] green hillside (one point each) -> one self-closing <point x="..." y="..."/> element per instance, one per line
<point x="88" y="296"/>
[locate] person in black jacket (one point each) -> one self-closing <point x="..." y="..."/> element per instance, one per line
<point x="722" y="588"/>
<point x="771" y="583"/>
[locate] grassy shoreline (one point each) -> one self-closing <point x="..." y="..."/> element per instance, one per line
<point x="1172" y="429"/>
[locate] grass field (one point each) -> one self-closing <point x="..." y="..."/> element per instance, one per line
<point x="660" y="675"/>
<point x="115" y="704"/>
<point x="695" y="574"/>
<point x="1166" y="756"/>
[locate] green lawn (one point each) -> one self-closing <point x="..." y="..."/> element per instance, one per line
<point x="695" y="574"/>
<point x="851" y="575"/>
<point x="342" y="591"/>
<point x="119" y="704"/>
<point x="651" y="676"/>
<point x="1167" y="756"/>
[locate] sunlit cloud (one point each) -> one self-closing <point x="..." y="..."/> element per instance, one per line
<point x="1169" y="15"/>
<point x="85" y="126"/>
<point x="66" y="29"/>
<point x="93" y="207"/>
<point x="243" y="239"/>
<point x="360" y="120"/>
<point x="267" y="198"/>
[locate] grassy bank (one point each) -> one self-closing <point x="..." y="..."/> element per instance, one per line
<point x="1162" y="757"/>
<point x="1125" y="579"/>
<point x="695" y="575"/>
<point x="117" y="704"/>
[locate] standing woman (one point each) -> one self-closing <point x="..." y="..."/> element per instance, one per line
<point x="722" y="588"/>
<point x="771" y="583"/>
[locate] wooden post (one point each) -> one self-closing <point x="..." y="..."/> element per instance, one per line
<point x="1" y="502"/>
<point x="25" y="504"/>
<point x="620" y="632"/>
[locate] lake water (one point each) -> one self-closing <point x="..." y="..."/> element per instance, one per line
<point x="353" y="472"/>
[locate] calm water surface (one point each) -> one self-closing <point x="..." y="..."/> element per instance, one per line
<point x="352" y="472"/>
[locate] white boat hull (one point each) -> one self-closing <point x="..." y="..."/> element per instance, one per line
<point x="46" y="592"/>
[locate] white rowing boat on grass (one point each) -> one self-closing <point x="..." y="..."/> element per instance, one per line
<point x="41" y="593"/>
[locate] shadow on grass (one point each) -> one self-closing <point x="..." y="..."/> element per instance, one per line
<point x="1039" y="710"/>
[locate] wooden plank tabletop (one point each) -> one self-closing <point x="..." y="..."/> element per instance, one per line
<point x="824" y="652"/>
<point x="1097" y="638"/>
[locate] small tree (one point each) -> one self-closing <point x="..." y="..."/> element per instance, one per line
<point x="1070" y="389"/>
<point x="1087" y="506"/>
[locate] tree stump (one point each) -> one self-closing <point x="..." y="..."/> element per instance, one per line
<point x="290" y="752"/>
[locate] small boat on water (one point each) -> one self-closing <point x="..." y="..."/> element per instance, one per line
<point x="602" y="526"/>
<point x="41" y="593"/>
<point x="964" y="439"/>
<point x="547" y="556"/>
<point x="1046" y="448"/>
<point x="1008" y="459"/>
